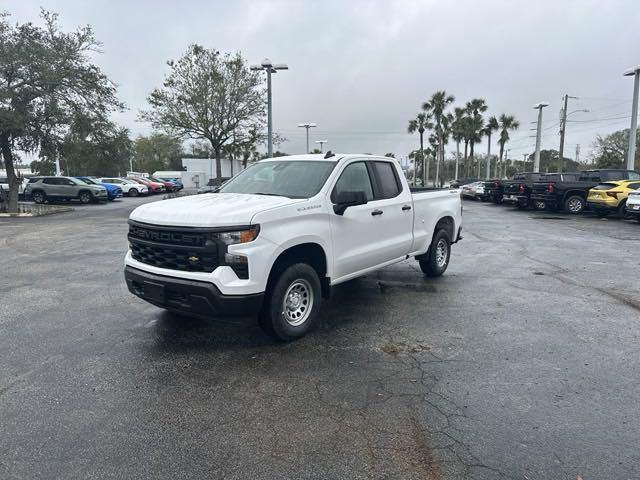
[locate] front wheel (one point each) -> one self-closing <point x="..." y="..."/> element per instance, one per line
<point x="436" y="260"/>
<point x="39" y="197"/>
<point x="85" y="197"/>
<point x="292" y="303"/>
<point x="133" y="192"/>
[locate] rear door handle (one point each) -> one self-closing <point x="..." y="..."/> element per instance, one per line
<point x="406" y="207"/>
<point x="377" y="212"/>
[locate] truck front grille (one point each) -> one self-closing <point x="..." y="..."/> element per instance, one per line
<point x="172" y="248"/>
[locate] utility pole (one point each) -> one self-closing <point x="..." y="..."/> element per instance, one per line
<point x="307" y="126"/>
<point x="536" y="158"/>
<point x="631" y="151"/>
<point x="270" y="68"/>
<point x="563" y="128"/>
<point x="321" y="142"/>
<point x="578" y="153"/>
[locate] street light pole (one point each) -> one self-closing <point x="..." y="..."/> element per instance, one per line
<point x="307" y="126"/>
<point x="270" y="68"/>
<point x="563" y="129"/>
<point x="536" y="158"/>
<point x="321" y="142"/>
<point x="631" y="152"/>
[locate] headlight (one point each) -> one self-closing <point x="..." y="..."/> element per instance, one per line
<point x="239" y="236"/>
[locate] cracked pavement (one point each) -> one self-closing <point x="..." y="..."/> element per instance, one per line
<point x="520" y="363"/>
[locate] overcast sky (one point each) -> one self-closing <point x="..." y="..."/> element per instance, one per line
<point x="361" y="69"/>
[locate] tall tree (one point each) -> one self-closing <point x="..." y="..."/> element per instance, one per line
<point x="436" y="106"/>
<point x="208" y="96"/>
<point x="420" y="124"/>
<point x="475" y="108"/>
<point x="157" y="151"/>
<point x="46" y="80"/>
<point x="457" y="133"/>
<point x="490" y="127"/>
<point x="610" y="151"/>
<point x="506" y="123"/>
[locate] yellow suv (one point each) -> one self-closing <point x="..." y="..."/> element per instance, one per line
<point x="611" y="197"/>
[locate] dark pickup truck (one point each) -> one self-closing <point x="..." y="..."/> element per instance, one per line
<point x="518" y="190"/>
<point x="569" y="191"/>
<point x="493" y="190"/>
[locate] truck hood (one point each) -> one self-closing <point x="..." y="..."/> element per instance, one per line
<point x="209" y="209"/>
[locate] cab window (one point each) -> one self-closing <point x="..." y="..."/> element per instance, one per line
<point x="387" y="182"/>
<point x="634" y="176"/>
<point x="354" y="178"/>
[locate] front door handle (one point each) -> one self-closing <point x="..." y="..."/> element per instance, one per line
<point x="377" y="212"/>
<point x="406" y="207"/>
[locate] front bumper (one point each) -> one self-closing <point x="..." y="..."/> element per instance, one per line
<point x="189" y="296"/>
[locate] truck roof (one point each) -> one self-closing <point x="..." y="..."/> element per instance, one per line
<point x="321" y="157"/>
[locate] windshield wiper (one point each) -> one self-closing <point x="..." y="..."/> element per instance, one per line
<point x="270" y="194"/>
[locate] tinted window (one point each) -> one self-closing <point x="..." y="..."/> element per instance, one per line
<point x="386" y="179"/>
<point x="634" y="176"/>
<point x="354" y="178"/>
<point x="605" y="186"/>
<point x="51" y="181"/>
<point x="634" y="186"/>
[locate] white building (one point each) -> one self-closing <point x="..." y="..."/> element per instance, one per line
<point x="207" y="166"/>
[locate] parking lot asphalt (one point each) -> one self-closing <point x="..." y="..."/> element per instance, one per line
<point x="520" y="362"/>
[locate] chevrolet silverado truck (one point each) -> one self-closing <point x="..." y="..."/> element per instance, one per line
<point x="518" y="190"/>
<point x="563" y="191"/>
<point x="277" y="237"/>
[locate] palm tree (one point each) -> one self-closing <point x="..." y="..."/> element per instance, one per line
<point x="437" y="106"/>
<point x="474" y="109"/>
<point x="489" y="128"/>
<point x="420" y="124"/>
<point x="506" y="123"/>
<point x="457" y="133"/>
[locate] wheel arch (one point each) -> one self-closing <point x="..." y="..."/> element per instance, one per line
<point x="310" y="253"/>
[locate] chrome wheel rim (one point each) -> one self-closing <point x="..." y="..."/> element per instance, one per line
<point x="84" y="198"/>
<point x="441" y="253"/>
<point x="540" y="205"/>
<point x="575" y="205"/>
<point x="38" y="197"/>
<point x="297" y="302"/>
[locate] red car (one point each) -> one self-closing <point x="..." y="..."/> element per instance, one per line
<point x="169" y="186"/>
<point x="154" y="187"/>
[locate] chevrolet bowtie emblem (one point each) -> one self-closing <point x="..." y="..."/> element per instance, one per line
<point x="193" y="259"/>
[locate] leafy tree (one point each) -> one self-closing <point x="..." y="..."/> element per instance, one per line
<point x="490" y="127"/>
<point x="436" y="107"/>
<point x="208" y="96"/>
<point x="506" y="123"/>
<point x="157" y="151"/>
<point x="420" y="124"/>
<point x="610" y="151"/>
<point x="46" y="80"/>
<point x="475" y="125"/>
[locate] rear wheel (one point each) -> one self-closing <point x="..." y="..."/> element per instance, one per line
<point x="133" y="192"/>
<point x="39" y="196"/>
<point x="539" y="205"/>
<point x="574" y="204"/>
<point x="84" y="197"/>
<point x="436" y="260"/>
<point x="292" y="303"/>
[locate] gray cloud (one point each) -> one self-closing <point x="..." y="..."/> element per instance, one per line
<point x="361" y="69"/>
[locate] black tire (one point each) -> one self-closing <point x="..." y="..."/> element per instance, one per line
<point x="85" y="197"/>
<point x="39" y="197"/>
<point x="133" y="192"/>
<point x="622" y="210"/>
<point x="288" y="321"/>
<point x="574" y="204"/>
<point x="435" y="261"/>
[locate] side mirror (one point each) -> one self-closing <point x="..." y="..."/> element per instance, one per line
<point x="349" y="199"/>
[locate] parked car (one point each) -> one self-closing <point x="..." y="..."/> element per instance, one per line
<point x="176" y="182"/>
<point x="113" y="191"/>
<point x="611" y="197"/>
<point x="461" y="182"/>
<point x="129" y="187"/>
<point x="43" y="189"/>
<point x="280" y="234"/>
<point x="565" y="192"/>
<point x="493" y="191"/>
<point x="168" y="186"/>
<point x="473" y="190"/>
<point x="633" y="204"/>
<point x="154" y="187"/>
<point x="517" y="190"/>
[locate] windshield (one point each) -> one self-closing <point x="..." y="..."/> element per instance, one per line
<point x="293" y="179"/>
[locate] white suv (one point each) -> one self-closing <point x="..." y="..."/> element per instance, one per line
<point x="633" y="204"/>
<point x="129" y="187"/>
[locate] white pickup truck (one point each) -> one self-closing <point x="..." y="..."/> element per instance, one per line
<point x="275" y="238"/>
